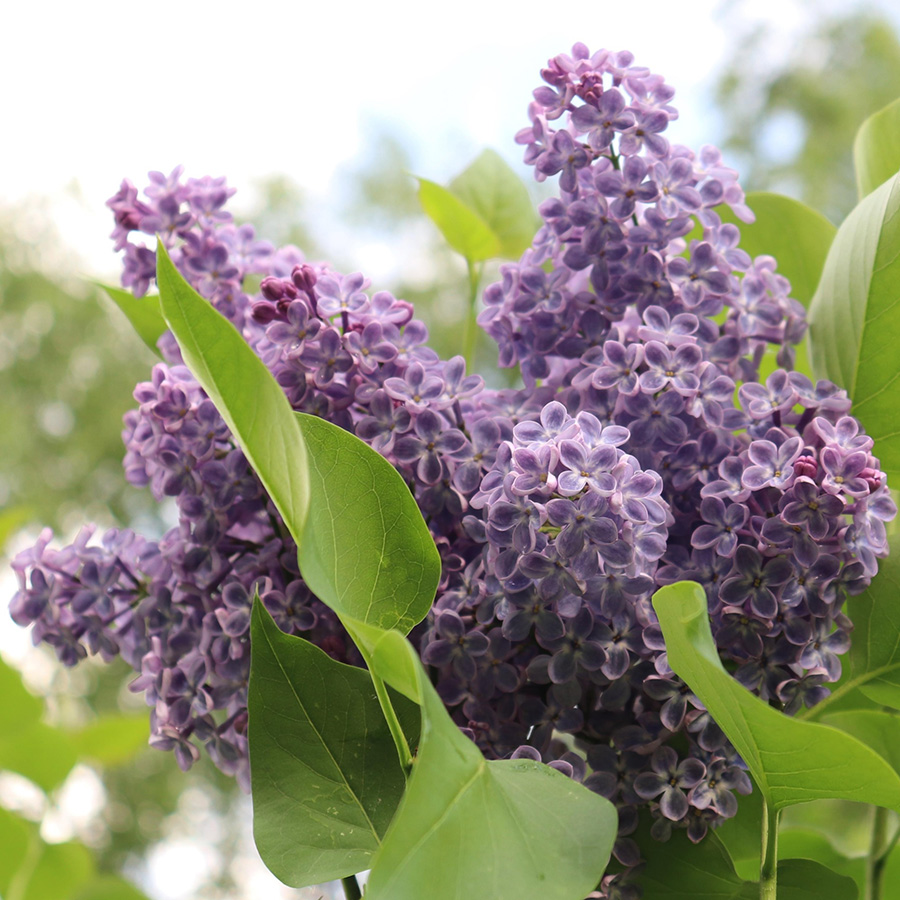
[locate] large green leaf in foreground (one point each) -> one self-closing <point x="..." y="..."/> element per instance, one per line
<point x="367" y="552"/>
<point x="247" y="396"/>
<point x="467" y="827"/>
<point x="791" y="761"/>
<point x="325" y="774"/>
<point x="876" y="150"/>
<point x="855" y="318"/>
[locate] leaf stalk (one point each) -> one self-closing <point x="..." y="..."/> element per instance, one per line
<point x="390" y="714"/>
<point x="351" y="888"/>
<point x="768" y="872"/>
<point x="470" y="332"/>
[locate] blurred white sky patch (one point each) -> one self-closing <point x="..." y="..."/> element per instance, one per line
<point x="115" y="89"/>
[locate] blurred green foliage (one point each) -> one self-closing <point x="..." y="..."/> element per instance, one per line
<point x="68" y="365"/>
<point x="790" y="115"/>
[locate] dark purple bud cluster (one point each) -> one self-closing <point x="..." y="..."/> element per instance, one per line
<point x="647" y="446"/>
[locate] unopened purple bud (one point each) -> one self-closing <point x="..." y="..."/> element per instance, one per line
<point x="272" y="288"/>
<point x="304" y="277"/>
<point x="872" y="478"/>
<point x="263" y="312"/>
<point x="806" y="465"/>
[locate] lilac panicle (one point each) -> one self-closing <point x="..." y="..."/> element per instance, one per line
<point x="645" y="447"/>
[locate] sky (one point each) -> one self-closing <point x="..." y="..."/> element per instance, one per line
<point x="104" y="90"/>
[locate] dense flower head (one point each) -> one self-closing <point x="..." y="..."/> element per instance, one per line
<point x="660" y="435"/>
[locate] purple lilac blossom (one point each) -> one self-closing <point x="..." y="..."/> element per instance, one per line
<point x="624" y="463"/>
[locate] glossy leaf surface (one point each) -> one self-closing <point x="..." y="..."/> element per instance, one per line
<point x="876" y="150"/>
<point x="325" y="775"/>
<point x="367" y="552"/>
<point x="513" y="828"/>
<point x="791" y="761"/>
<point x="243" y="390"/>
<point x="855" y="318"/>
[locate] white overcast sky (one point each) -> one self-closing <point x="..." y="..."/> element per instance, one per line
<point x="97" y="91"/>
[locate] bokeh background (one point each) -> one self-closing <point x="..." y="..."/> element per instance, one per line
<point x="319" y="117"/>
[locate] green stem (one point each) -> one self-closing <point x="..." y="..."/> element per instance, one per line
<point x="879" y="850"/>
<point x="470" y="330"/>
<point x="351" y="888"/>
<point x="768" y="871"/>
<point x="390" y="714"/>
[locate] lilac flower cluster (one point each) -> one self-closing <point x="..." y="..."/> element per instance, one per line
<point x="647" y="446"/>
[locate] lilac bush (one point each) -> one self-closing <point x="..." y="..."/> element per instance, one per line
<point x="660" y="434"/>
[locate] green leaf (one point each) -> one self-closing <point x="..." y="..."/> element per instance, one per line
<point x="492" y="189"/>
<point x="799" y="844"/>
<point x="62" y="870"/>
<point x="890" y="885"/>
<point x="20" y="707"/>
<point x="791" y="761"/>
<point x="680" y="870"/>
<point x="367" y="552"/>
<point x="806" y="879"/>
<point x="507" y="829"/>
<point x="463" y="229"/>
<point x="325" y="774"/>
<point x="877" y="729"/>
<point x="247" y="396"/>
<point x="110" y="887"/>
<point x="15" y="837"/>
<point x="874" y="658"/>
<point x="795" y="234"/>
<point x="876" y="150"/>
<point x="12" y="518"/>
<point x="741" y="835"/>
<point x="142" y="312"/>
<point x="855" y="318"/>
<point x="41" y="753"/>
<point x="111" y="739"/>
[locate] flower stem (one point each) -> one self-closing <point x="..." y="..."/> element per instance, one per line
<point x="351" y="888"/>
<point x="390" y="714"/>
<point x="768" y="872"/>
<point x="879" y="850"/>
<point x="470" y="331"/>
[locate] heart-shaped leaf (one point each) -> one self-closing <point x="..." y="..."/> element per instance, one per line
<point x="325" y="775"/>
<point x="367" y="552"/>
<point x="494" y="191"/>
<point x="513" y="828"/>
<point x="791" y="761"/>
